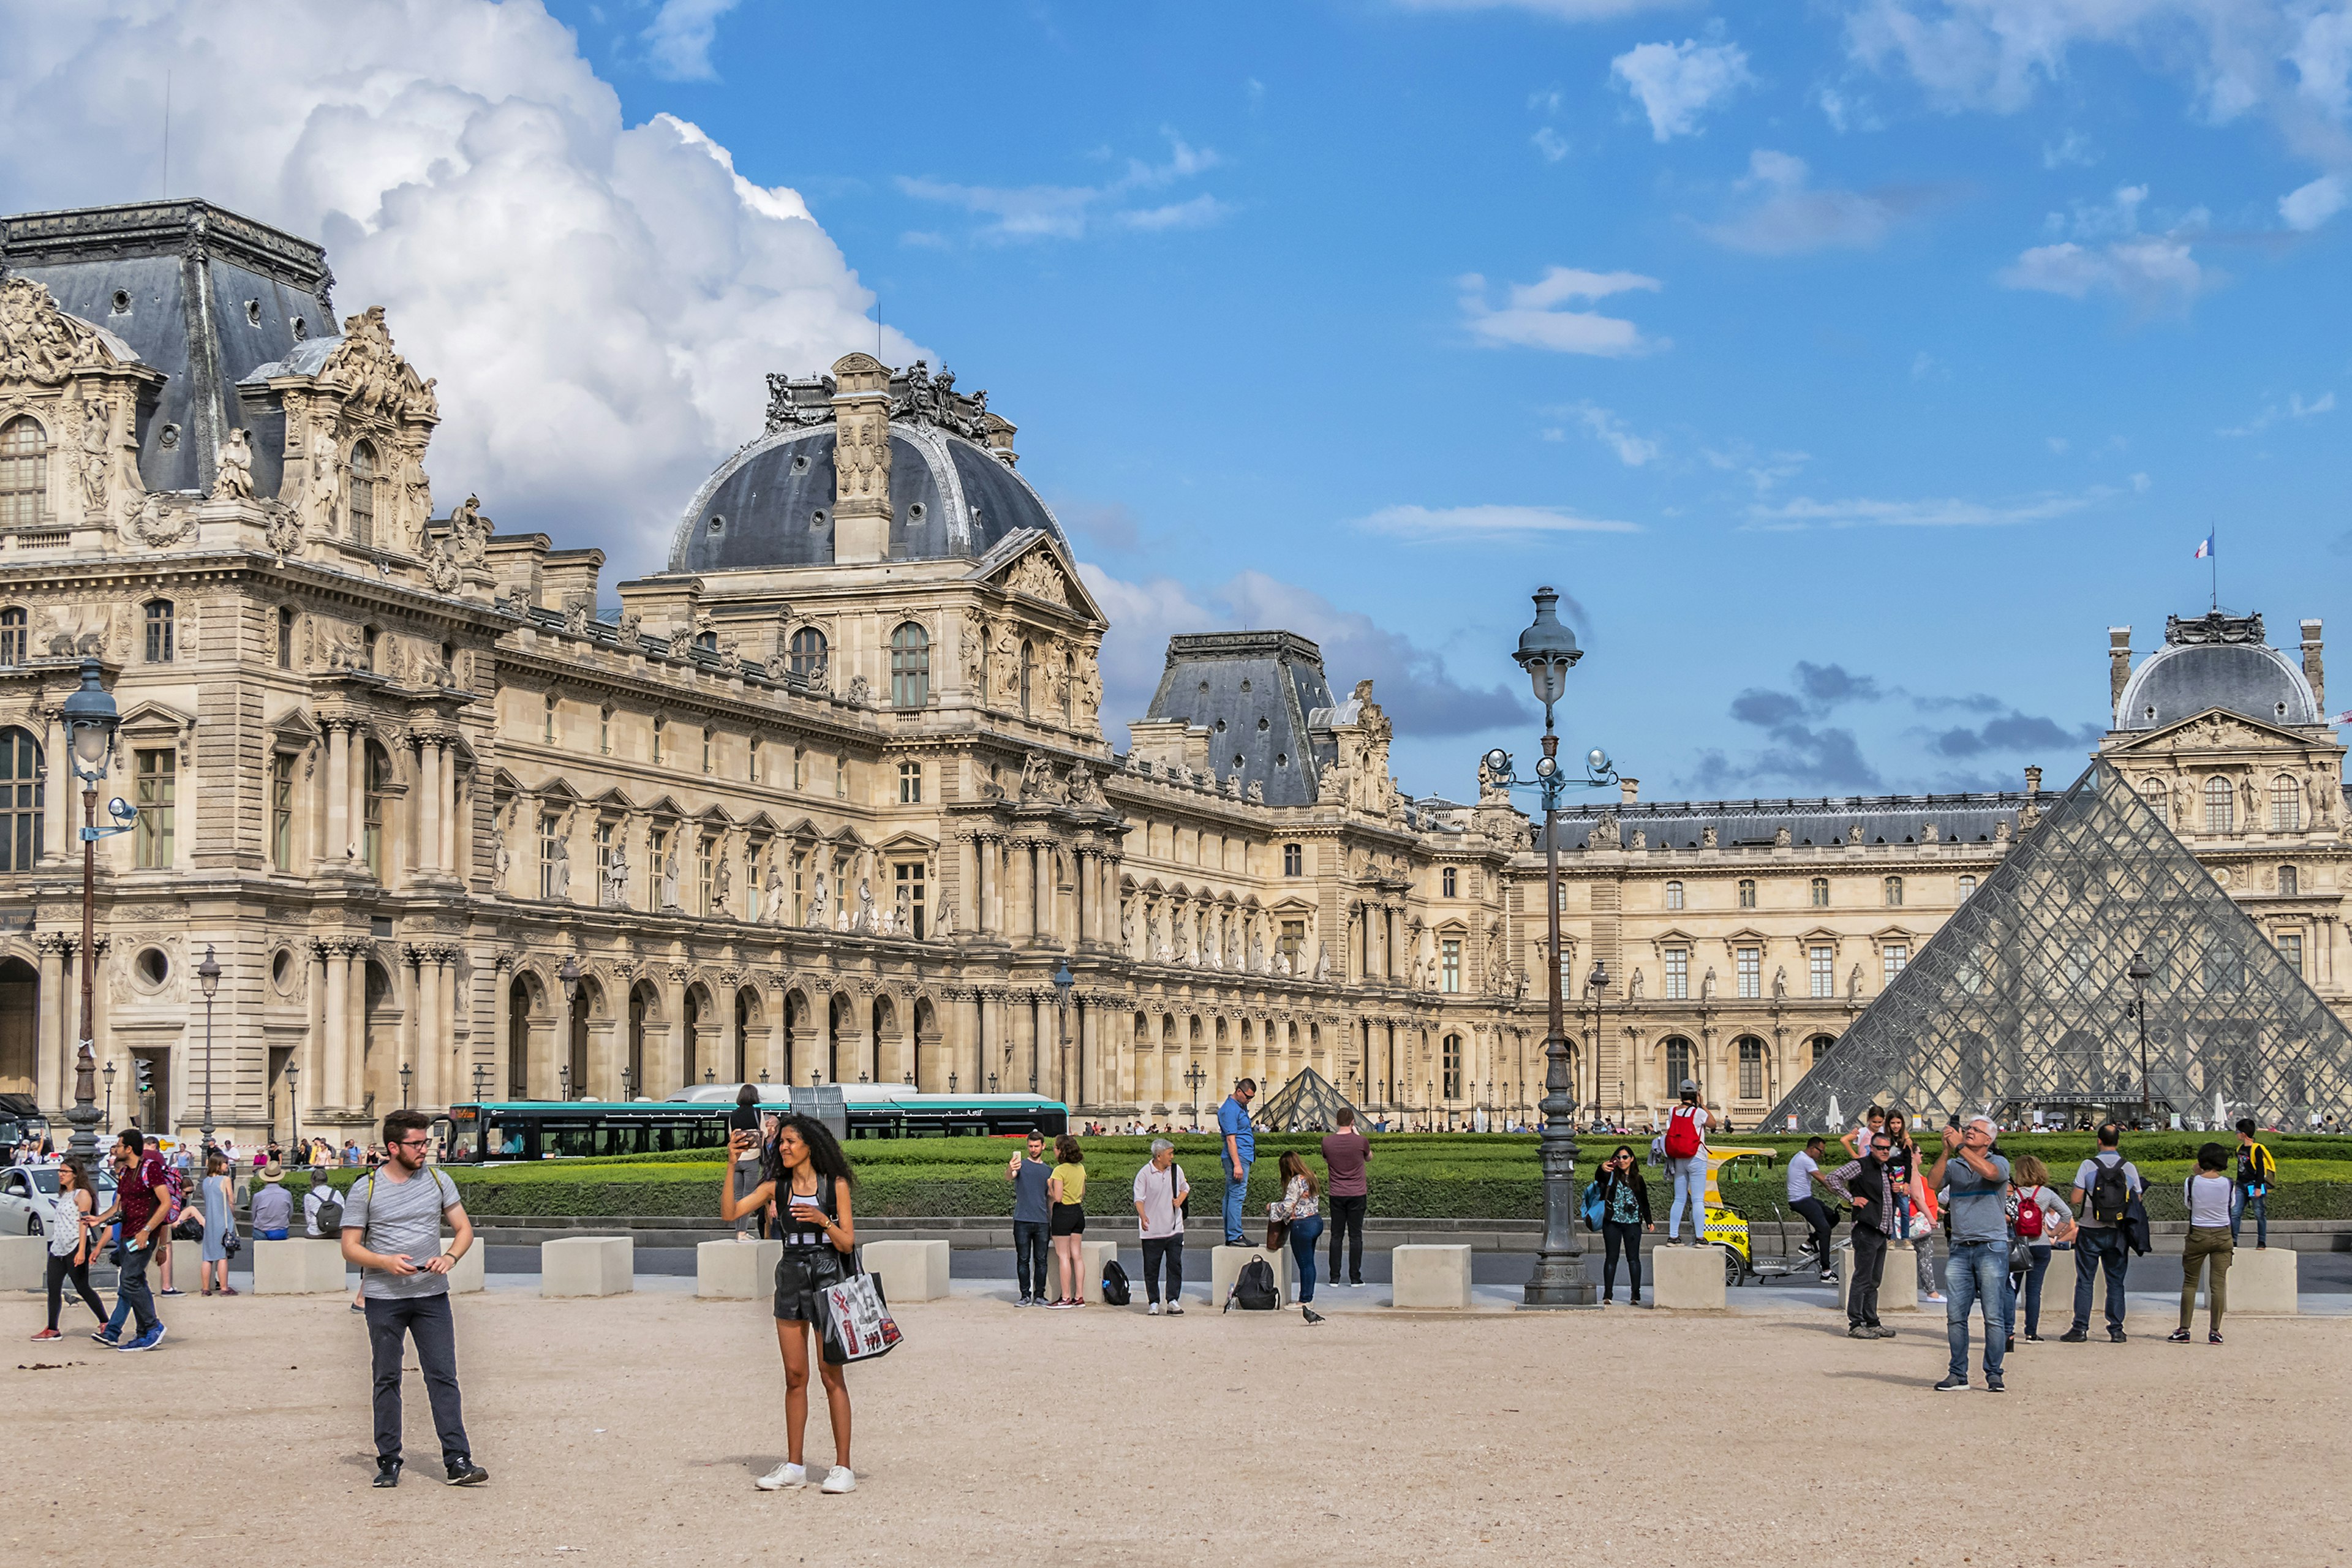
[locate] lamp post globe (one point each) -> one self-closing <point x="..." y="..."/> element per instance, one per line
<point x="1547" y="651"/>
<point x="90" y="719"/>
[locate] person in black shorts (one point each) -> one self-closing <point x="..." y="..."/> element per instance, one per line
<point x="804" y="1169"/>
<point x="1066" y="1220"/>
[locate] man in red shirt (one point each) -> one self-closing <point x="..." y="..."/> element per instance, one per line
<point x="142" y="1205"/>
<point x="1344" y="1153"/>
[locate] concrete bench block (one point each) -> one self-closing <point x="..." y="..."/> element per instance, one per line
<point x="24" y="1262"/>
<point x="736" y="1270"/>
<point x="587" y="1266"/>
<point x="2262" y="1282"/>
<point x="1429" y="1276"/>
<point x="298" y="1267"/>
<point x="1226" y="1267"/>
<point x="1898" y="1281"/>
<point x="1687" y="1278"/>
<point x="911" y="1270"/>
<point x="1092" y="1255"/>
<point x="466" y="1274"/>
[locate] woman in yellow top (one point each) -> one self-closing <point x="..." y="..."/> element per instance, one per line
<point x="1066" y="1187"/>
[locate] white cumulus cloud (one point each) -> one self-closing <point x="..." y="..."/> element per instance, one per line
<point x="1790" y="215"/>
<point x="1531" y="316"/>
<point x="1612" y="432"/>
<point x="1071" y="212"/>
<point x="2308" y="206"/>
<point x="677" y="40"/>
<point x="1423" y="522"/>
<point x="1947" y="512"/>
<point x="1676" y="83"/>
<point x="598" y="301"/>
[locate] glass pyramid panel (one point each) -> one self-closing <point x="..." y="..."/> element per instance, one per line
<point x="1308" y="1103"/>
<point x="2023" y="1000"/>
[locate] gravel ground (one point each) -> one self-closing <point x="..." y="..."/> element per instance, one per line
<point x="628" y="1430"/>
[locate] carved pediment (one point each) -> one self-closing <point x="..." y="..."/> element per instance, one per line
<point x="40" y="345"/>
<point x="2216" y="731"/>
<point x="374" y="378"/>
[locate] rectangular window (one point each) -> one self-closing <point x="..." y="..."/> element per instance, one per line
<point x="604" y="857"/>
<point x="1452" y="1068"/>
<point x="1451" y="966"/>
<point x="1677" y="974"/>
<point x="660" y="855"/>
<point x="1752" y="970"/>
<point x="159" y="632"/>
<point x="1673" y="895"/>
<point x="1822" y="962"/>
<point x="841" y="778"/>
<point x="705" y="751"/>
<point x="281" y="810"/>
<point x="910" y="784"/>
<point x="1293" y="943"/>
<point x="797" y="886"/>
<point x="550" y="837"/>
<point x="907" y="880"/>
<point x="1894" y="955"/>
<point x="755" y="878"/>
<point x="751" y="770"/>
<point x="1746" y="894"/>
<point x="1294" y="859"/>
<point x="1751" y="1070"/>
<point x="2289" y="948"/>
<point x="1821" y="892"/>
<point x="159" y="784"/>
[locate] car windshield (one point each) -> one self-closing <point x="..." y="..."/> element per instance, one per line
<point x="45" y="1180"/>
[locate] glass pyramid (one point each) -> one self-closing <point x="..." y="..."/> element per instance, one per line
<point x="2023" y="1001"/>
<point x="1308" y="1103"/>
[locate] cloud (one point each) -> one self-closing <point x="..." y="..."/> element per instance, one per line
<point x="1412" y="682"/>
<point x="1845" y="113"/>
<point x="1024" y="213"/>
<point x="2295" y="408"/>
<point x="2073" y="149"/>
<point x="1421" y="522"/>
<point x="1925" y="366"/>
<point x="598" y="301"/>
<point x="1632" y="450"/>
<point x="677" y="40"/>
<point x="2305" y="207"/>
<point x="1676" y="83"/>
<point x="1550" y="144"/>
<point x="2013" y="732"/>
<point x="1791" y="217"/>
<point x="1764" y="469"/>
<point x="1951" y="512"/>
<point x="1531" y="318"/>
<point x="1110" y="524"/>
<point x="1797" y="749"/>
<point x="1557" y="10"/>
<point x="2156" y="273"/>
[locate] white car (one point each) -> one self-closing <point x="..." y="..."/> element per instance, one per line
<point x="19" y="1186"/>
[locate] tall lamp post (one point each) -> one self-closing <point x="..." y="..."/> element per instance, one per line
<point x="1546" y="652"/>
<point x="1596" y="985"/>
<point x="90" y="721"/>
<point x="1064" y="984"/>
<point x="2139" y="974"/>
<point x="1193" y="1078"/>
<point x="406" y="1074"/>
<point x="569" y="975"/>
<point x="208" y="980"/>
<point x="294" y="1105"/>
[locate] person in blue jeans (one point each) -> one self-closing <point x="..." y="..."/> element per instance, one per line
<point x="2256" y="1172"/>
<point x="1976" y="1190"/>
<point x="1032" y="1217"/>
<point x="141" y="1213"/>
<point x="1241" y="1148"/>
<point x="1301" y="1207"/>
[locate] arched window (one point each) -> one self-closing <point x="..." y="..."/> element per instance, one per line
<point x="1821" y="892"/>
<point x="362" y="494"/>
<point x="555" y="734"/>
<point x="1673" y="895"/>
<point x="1751" y="1069"/>
<point x="1822" y="1044"/>
<point x="285" y="639"/>
<point x="1747" y="893"/>
<point x="20" y="799"/>
<point x="2286" y="806"/>
<point x="1450" y="883"/>
<point x="910" y="666"/>
<point x="23" y="473"/>
<point x="12" y="643"/>
<point x="378" y="783"/>
<point x="807" y="656"/>
<point x="158" y="631"/>
<point x="660" y="725"/>
<point x="2289" y="883"/>
<point x="1678" y="1065"/>
<point x="369" y="639"/>
<point x="1028" y="674"/>
<point x="706" y="642"/>
<point x="1968" y="889"/>
<point x="1453" y="1067"/>
<point x="2221" y="806"/>
<point x="1893" y="892"/>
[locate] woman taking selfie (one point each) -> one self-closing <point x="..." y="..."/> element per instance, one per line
<point x="804" y="1172"/>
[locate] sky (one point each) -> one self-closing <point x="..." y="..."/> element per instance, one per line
<point x="1849" y="366"/>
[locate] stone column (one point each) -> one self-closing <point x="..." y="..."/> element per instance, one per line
<point x="730" y="1039"/>
<point x="502" y="1032"/>
<point x="428" y="1030"/>
<point x="334" y="1068"/>
<point x="670" y="1074"/>
<point x="339" y="791"/>
<point x="1040" y="906"/>
<point x="428" y="790"/>
<point x="446" y="857"/>
<point x="1081" y="897"/>
<point x="821" y="1036"/>
<point x="1092" y="1079"/>
<point x="57" y="1043"/>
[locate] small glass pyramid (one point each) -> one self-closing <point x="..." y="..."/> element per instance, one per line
<point x="1308" y="1103"/>
<point x="2023" y="1001"/>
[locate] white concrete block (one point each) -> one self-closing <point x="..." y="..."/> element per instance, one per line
<point x="187" y="1266"/>
<point x="911" y="1270"/>
<point x="298" y="1267"/>
<point x="2262" y="1282"/>
<point x="736" y="1270"/>
<point x="24" y="1262"/>
<point x="466" y="1274"/>
<point x="1687" y="1278"/>
<point x="1428" y="1276"/>
<point x="1092" y="1255"/>
<point x="1226" y="1267"/>
<point x="1898" y="1281"/>
<point x="587" y="1266"/>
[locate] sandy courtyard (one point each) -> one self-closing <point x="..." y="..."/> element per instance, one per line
<point x="628" y="1430"/>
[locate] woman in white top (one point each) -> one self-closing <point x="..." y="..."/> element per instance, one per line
<point x="2054" y="1223"/>
<point x="2208" y="1195"/>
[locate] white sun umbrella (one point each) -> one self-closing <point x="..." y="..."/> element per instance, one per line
<point x="1836" y="1120"/>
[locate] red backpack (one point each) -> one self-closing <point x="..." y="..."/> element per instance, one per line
<point x="1682" y="1132"/>
<point x="2029" y="1218"/>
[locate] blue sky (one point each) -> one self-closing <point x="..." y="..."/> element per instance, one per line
<point x="1851" y="366"/>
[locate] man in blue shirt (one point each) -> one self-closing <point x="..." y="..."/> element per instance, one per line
<point x="1241" y="1148"/>
<point x="1976" y="1189"/>
<point x="1032" y="1210"/>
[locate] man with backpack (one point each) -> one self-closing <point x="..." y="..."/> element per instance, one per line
<point x="2256" y="1173"/>
<point x="2104" y="1189"/>
<point x="1686" y="1159"/>
<point x="1161" y="1190"/>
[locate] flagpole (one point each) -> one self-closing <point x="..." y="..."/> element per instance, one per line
<point x="2213" y="560"/>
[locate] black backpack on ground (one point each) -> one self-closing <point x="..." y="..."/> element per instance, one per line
<point x="2110" y="1191"/>
<point x="1114" y="1285"/>
<point x="1254" y="1291"/>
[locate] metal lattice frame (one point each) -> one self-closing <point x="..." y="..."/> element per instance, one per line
<point x="1308" y="1103"/>
<point x="2024" y="999"/>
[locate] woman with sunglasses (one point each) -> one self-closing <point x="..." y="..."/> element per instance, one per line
<point x="1624" y="1215"/>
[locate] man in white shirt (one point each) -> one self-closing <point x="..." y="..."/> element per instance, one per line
<point x="1804" y="1168"/>
<point x="1160" y="1193"/>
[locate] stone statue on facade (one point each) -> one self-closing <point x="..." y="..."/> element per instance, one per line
<point x="722" y="884"/>
<point x="816" y="904"/>
<point x="865" y="921"/>
<point x="943" y="928"/>
<point x="778" y="891"/>
<point x="1853" y="984"/>
<point x="558" y="879"/>
<point x="902" y="914"/>
<point x="617" y="880"/>
<point x="502" y="858"/>
<point x="1322" y="962"/>
<point x="469" y="533"/>
<point x="234" y="457"/>
<point x="670" y="881"/>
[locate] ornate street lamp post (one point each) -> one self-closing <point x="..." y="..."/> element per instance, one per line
<point x="1193" y="1078"/>
<point x="2139" y="974"/>
<point x="480" y="1070"/>
<point x="1064" y="984"/>
<point x="406" y="1074"/>
<point x="1546" y="652"/>
<point x="208" y="974"/>
<point x="1595" y="984"/>
<point x="91" y="720"/>
<point x="294" y="1104"/>
<point x="569" y="974"/>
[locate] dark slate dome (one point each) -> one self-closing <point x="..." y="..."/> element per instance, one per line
<point x="772" y="503"/>
<point x="2216" y="661"/>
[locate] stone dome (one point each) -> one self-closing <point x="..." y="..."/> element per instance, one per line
<point x="2216" y="661"/>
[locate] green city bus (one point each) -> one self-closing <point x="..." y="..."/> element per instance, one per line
<point x="501" y="1131"/>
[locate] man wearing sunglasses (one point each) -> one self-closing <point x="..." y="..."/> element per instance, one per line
<point x="1869" y="1185"/>
<point x="392" y="1232"/>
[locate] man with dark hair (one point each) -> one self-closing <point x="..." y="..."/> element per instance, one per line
<point x="1868" y="1186"/>
<point x="392" y="1218"/>
<point x="1344" y="1153"/>
<point x="141" y="1202"/>
<point x="2256" y="1172"/>
<point x="1804" y="1170"/>
<point x="2110" y="1182"/>
<point x="1033" y="1213"/>
<point x="1241" y="1148"/>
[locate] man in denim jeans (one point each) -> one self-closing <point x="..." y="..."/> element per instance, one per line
<point x="1241" y="1148"/>
<point x="1976" y="1190"/>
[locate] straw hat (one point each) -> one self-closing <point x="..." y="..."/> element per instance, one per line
<point x="272" y="1172"/>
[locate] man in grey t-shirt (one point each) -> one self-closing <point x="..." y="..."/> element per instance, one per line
<point x="392" y="1231"/>
<point x="1975" y="1183"/>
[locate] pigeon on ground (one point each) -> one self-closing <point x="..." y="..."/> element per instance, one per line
<point x="1312" y="1315"/>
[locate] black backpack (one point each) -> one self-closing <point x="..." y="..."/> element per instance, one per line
<point x="1254" y="1291"/>
<point x="2110" y="1191"/>
<point x="1114" y="1285"/>
<point x="330" y="1217"/>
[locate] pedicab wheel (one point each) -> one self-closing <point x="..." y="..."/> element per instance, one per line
<point x="1735" y="1268"/>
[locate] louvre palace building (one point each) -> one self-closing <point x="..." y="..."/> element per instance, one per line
<point x="825" y="796"/>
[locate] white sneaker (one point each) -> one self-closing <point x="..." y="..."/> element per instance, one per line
<point x="1154" y="1311"/>
<point x="783" y="1475"/>
<point x="840" y="1479"/>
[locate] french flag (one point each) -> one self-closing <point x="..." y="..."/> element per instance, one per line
<point x="2204" y="548"/>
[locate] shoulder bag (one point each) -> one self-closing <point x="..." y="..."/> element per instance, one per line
<point x="855" y="1322"/>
